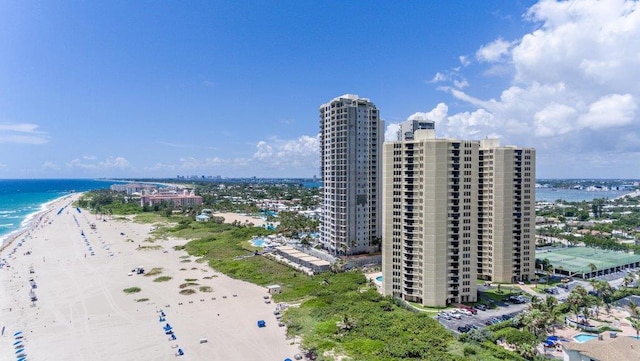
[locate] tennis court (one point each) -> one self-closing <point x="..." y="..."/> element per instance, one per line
<point x="578" y="259"/>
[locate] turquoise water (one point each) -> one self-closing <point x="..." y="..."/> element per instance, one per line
<point x="258" y="242"/>
<point x="21" y="199"/>
<point x="379" y="278"/>
<point x="583" y="337"/>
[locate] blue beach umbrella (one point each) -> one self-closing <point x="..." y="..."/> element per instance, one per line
<point x="18" y="333"/>
<point x="17" y="342"/>
<point x="19" y="350"/>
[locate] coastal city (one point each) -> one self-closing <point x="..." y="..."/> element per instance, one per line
<point x="448" y="233"/>
<point x="320" y="181"/>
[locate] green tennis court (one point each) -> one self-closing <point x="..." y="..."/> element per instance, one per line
<point x="579" y="259"/>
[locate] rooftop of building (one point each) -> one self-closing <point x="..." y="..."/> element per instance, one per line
<point x="620" y="348"/>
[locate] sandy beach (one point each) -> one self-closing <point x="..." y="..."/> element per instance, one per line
<point x="82" y="312"/>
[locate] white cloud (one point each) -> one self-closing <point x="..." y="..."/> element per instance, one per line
<point x="273" y="157"/>
<point x="49" y="165"/>
<point x="574" y="89"/>
<point x="108" y="163"/>
<point x="299" y="153"/>
<point x="460" y="84"/>
<point x="439" y="77"/>
<point x="464" y="60"/>
<point x="22" y="133"/>
<point x="437" y="114"/>
<point x="391" y="134"/>
<point x="612" y="110"/>
<point x="497" y="50"/>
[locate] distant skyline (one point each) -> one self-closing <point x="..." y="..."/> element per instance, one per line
<point x="125" y="89"/>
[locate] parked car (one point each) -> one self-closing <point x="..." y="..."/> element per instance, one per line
<point x="470" y="309"/>
<point x="463" y="329"/>
<point x="464" y="311"/>
<point x="481" y="307"/>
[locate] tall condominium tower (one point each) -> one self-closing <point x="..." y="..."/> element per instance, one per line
<point x="430" y="190"/>
<point x="506" y="218"/>
<point x="351" y="136"/>
<point x="455" y="211"/>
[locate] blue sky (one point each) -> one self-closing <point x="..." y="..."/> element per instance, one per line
<point x="159" y="89"/>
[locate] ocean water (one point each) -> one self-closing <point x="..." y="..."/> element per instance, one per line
<point x="574" y="195"/>
<point x="21" y="199"/>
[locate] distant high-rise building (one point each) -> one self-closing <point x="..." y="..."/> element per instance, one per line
<point x="455" y="211"/>
<point x="506" y="218"/>
<point x="351" y="136"/>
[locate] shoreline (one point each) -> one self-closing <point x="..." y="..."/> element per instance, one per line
<point x="81" y="311"/>
<point x="27" y="223"/>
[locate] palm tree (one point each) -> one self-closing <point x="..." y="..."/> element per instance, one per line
<point x="633" y="309"/>
<point x="549" y="271"/>
<point x="592" y="267"/>
<point x="635" y="323"/>
<point x="628" y="279"/>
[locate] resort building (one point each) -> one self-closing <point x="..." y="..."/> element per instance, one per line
<point x="506" y="218"/>
<point x="351" y="136"/>
<point x="454" y="211"/>
<point x="430" y="190"/>
<point x="133" y="188"/>
<point x="186" y="199"/>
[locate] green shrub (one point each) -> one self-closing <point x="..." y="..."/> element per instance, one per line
<point x="132" y="290"/>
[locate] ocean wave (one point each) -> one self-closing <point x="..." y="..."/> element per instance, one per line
<point x="6" y="225"/>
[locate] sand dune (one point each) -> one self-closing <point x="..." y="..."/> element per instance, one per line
<point x="82" y="312"/>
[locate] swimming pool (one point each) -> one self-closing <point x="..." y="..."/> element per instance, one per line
<point x="583" y="337"/>
<point x="258" y="242"/>
<point x="379" y="278"/>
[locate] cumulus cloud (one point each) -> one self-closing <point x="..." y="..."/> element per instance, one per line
<point x="437" y="114"/>
<point x="301" y="153"/>
<point x="574" y="89"/>
<point x="109" y="163"/>
<point x="497" y="50"/>
<point x="272" y="157"/>
<point x="22" y="133"/>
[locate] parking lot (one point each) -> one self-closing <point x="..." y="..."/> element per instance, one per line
<point x="502" y="312"/>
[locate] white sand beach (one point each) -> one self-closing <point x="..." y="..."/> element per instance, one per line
<point x="82" y="313"/>
<point x="242" y="218"/>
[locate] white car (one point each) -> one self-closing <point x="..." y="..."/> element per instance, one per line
<point x="464" y="312"/>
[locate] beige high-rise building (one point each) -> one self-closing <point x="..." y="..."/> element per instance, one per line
<point x="351" y="136"/>
<point x="506" y="223"/>
<point x="430" y="193"/>
<point x="455" y="211"/>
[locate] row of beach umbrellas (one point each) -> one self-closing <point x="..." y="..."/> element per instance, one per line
<point x="168" y="330"/>
<point x="18" y="345"/>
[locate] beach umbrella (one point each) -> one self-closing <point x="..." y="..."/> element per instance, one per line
<point x="17" y="342"/>
<point x="18" y="333"/>
<point x="19" y="350"/>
